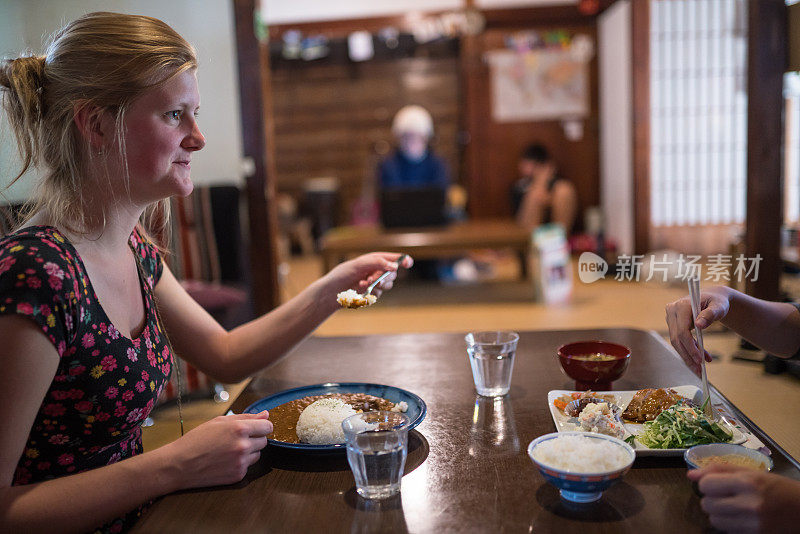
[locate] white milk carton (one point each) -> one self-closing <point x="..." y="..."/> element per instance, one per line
<point x="551" y="265"/>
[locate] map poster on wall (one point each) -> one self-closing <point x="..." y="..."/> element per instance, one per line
<point x="540" y="84"/>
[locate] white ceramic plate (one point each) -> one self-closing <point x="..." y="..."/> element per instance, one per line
<point x="621" y="399"/>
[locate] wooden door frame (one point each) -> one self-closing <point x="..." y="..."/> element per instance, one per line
<point x="257" y="132"/>
<point x="767" y="59"/>
<point x="640" y="75"/>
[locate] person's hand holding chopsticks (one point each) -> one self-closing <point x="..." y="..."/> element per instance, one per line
<point x="771" y="326"/>
<point x="714" y="306"/>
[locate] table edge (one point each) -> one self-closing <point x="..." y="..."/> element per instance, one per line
<point x="763" y="436"/>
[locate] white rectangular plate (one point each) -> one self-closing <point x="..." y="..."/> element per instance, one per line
<point x="622" y="398"/>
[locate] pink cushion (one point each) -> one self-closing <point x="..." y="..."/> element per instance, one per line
<point x="214" y="296"/>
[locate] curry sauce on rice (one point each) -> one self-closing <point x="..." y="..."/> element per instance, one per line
<point x="284" y="417"/>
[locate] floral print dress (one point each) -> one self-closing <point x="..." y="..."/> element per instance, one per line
<point x="106" y="384"/>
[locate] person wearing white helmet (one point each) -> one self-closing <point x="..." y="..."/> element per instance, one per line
<point x="413" y="164"/>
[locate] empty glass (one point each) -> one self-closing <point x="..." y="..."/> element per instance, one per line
<point x="491" y="355"/>
<point x="377" y="444"/>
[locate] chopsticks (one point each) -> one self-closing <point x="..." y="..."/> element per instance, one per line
<point x="694" y="297"/>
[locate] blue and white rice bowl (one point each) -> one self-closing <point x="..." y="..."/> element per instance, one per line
<point x="583" y="484"/>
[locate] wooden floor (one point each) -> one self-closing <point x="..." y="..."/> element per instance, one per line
<point x="772" y="401"/>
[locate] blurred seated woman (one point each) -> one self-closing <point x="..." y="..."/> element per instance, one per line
<point x="90" y="315"/>
<point x="541" y="195"/>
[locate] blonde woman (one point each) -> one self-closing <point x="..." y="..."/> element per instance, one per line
<point x="109" y="117"/>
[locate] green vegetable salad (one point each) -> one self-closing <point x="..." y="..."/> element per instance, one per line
<point x="682" y="426"/>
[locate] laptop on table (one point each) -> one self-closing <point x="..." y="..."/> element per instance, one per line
<point x="413" y="207"/>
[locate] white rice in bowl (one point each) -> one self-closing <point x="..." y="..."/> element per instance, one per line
<point x="581" y="454"/>
<point x="321" y="422"/>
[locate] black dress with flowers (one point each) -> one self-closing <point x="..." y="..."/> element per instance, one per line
<point x="106" y="384"/>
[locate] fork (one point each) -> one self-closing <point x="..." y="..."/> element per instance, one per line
<point x="380" y="279"/>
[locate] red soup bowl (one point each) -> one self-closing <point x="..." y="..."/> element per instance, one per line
<point x="593" y="364"/>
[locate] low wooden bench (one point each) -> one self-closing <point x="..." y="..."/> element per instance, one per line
<point x="344" y="242"/>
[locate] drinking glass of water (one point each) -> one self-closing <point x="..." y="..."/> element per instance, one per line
<point x="491" y="355"/>
<point x="377" y="444"/>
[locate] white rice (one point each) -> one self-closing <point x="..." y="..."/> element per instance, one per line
<point x="401" y="406"/>
<point x="353" y="299"/>
<point x="581" y="454"/>
<point x="321" y="422"/>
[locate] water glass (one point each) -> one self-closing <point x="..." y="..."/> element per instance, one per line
<point x="491" y="355"/>
<point x="377" y="445"/>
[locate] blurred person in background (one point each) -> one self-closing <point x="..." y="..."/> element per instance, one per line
<point x="541" y="195"/>
<point x="412" y="163"/>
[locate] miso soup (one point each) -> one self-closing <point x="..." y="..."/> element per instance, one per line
<point x="730" y="459"/>
<point x="594" y="357"/>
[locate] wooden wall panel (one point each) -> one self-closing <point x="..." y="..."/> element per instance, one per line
<point x="335" y="119"/>
<point x="494" y="148"/>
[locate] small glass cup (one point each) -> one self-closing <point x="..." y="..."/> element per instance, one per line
<point x="377" y="445"/>
<point x="491" y="355"/>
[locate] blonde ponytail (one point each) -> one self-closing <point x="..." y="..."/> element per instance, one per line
<point x="102" y="60"/>
<point x="22" y="78"/>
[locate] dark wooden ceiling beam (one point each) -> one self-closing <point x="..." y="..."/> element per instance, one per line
<point x="495" y="18"/>
<point x="540" y="16"/>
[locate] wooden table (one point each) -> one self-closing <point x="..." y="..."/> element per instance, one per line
<point x="436" y="242"/>
<point x="467" y="470"/>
